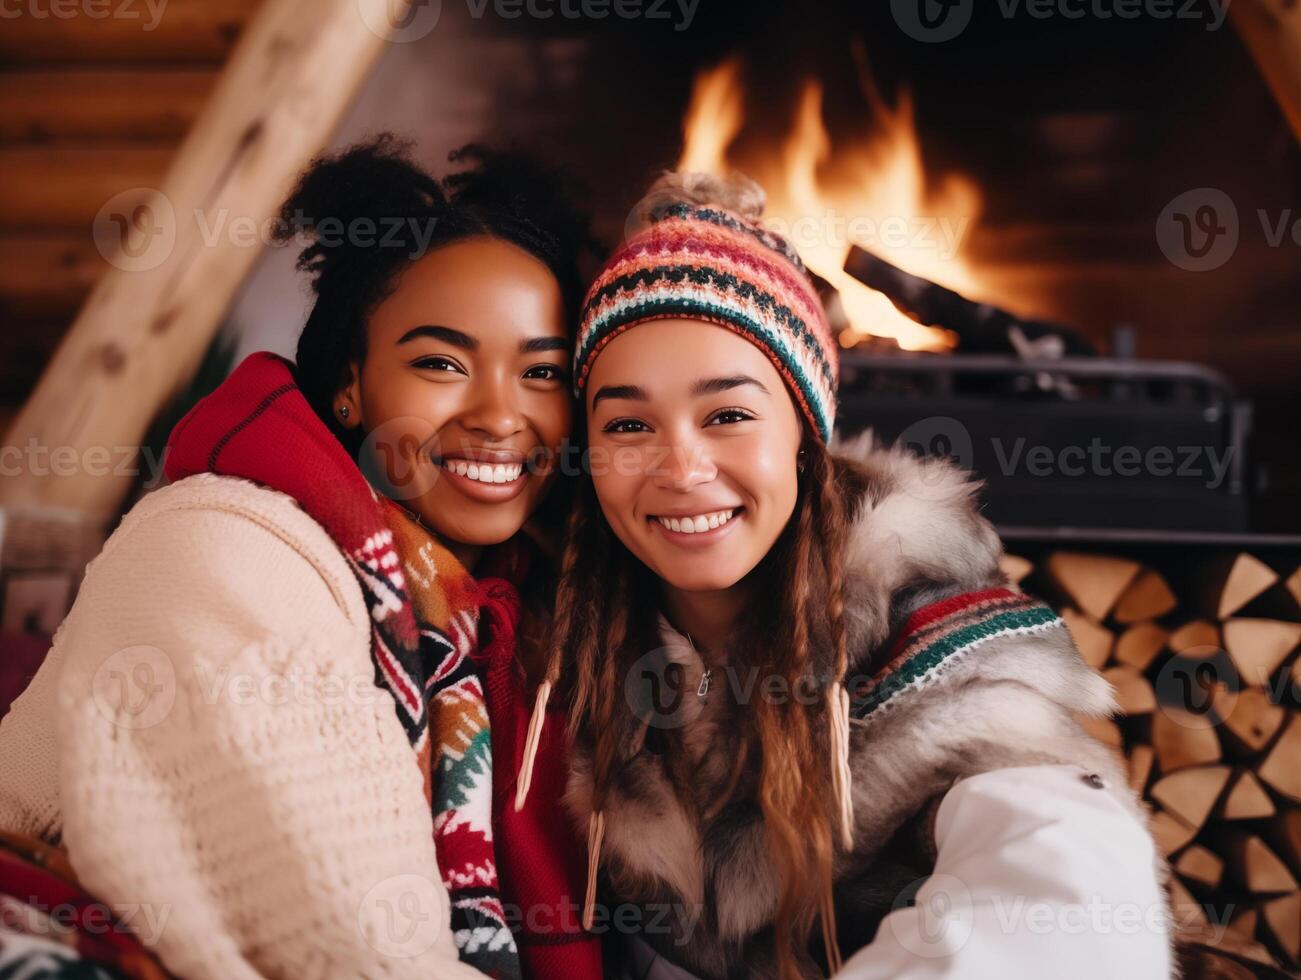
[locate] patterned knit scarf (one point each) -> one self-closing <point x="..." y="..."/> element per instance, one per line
<point x="942" y="633"/>
<point x="424" y="611"/>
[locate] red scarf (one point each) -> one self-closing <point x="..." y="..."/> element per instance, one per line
<point x="542" y="864"/>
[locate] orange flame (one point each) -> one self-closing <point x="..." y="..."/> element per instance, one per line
<point x="871" y="191"/>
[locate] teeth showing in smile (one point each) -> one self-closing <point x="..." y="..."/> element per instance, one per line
<point x="698" y="524"/>
<point x="485" y="472"/>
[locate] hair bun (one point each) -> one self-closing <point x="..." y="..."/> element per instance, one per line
<point x="533" y="192"/>
<point x="370" y="180"/>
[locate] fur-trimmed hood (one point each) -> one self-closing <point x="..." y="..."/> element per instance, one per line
<point x="918" y="530"/>
<point x="1006" y="699"/>
<point x="920" y="538"/>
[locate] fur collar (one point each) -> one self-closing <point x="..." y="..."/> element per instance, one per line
<point x="918" y="530"/>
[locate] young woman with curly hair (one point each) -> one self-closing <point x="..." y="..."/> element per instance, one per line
<point x="275" y="709"/>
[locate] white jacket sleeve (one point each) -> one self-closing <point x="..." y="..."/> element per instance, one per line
<point x="1040" y="873"/>
<point x="230" y="777"/>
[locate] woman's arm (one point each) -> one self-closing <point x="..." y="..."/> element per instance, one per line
<point x="228" y="768"/>
<point x="1040" y="873"/>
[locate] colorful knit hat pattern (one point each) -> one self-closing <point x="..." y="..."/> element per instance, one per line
<point x="705" y="262"/>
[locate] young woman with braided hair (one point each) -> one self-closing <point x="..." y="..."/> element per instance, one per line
<point x="799" y="683"/>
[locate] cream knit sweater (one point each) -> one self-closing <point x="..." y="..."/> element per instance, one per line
<point x="207" y="739"/>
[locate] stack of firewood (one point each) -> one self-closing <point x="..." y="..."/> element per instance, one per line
<point x="1204" y="660"/>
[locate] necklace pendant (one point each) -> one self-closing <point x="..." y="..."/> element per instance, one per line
<point x="703" y="687"/>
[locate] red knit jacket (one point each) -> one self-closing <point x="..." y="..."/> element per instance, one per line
<point x="540" y="861"/>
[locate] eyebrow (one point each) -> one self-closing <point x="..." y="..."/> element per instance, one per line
<point x="458" y="338"/>
<point x="446" y="334"/>
<point x="713" y="386"/>
<point x="630" y="392"/>
<point x="539" y="345"/>
<point x="705" y="386"/>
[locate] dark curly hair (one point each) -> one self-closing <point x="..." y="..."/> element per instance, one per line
<point x="370" y="210"/>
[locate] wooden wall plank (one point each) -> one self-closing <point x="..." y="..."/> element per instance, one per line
<point x="52" y="104"/>
<point x="63" y="187"/>
<point x="115" y="31"/>
<point x="46" y="276"/>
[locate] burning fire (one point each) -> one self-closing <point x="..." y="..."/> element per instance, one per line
<point x="872" y="192"/>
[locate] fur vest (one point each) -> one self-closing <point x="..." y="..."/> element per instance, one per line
<point x="936" y="717"/>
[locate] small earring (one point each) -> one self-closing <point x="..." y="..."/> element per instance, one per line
<point x="343" y="411"/>
<point x="800" y="460"/>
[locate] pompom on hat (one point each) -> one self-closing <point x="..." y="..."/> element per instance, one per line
<point x="705" y="255"/>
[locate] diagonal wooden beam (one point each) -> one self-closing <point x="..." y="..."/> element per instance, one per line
<point x="146" y="324"/>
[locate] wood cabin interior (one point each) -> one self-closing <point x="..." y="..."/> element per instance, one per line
<point x="1072" y="134"/>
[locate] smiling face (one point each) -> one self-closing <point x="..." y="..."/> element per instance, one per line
<point x="694" y="440"/>
<point x="464" y="384"/>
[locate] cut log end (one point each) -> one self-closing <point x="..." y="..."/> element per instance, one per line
<point x="1094" y="582"/>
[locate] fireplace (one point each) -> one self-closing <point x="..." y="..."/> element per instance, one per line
<point x="1028" y="162"/>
